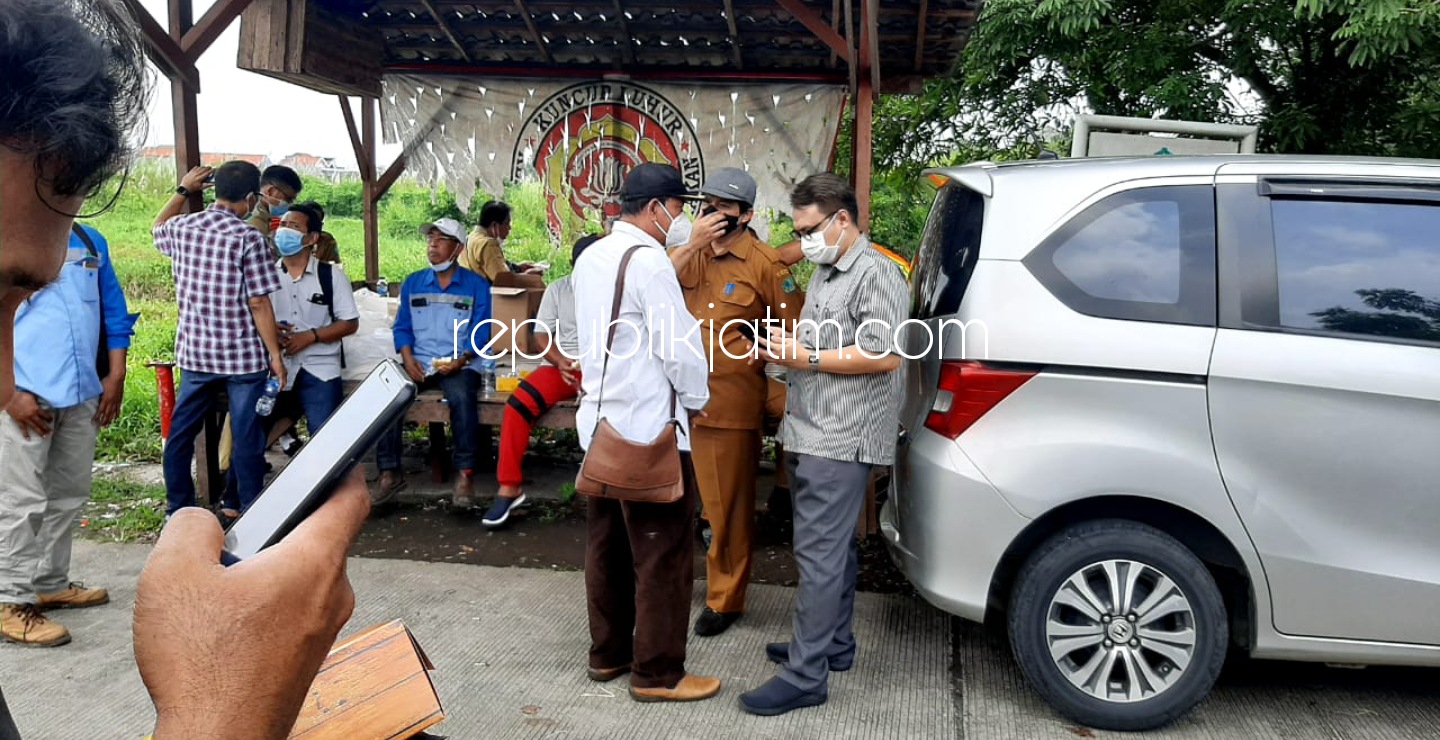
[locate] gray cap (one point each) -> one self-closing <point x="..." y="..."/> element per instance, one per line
<point x="731" y="184"/>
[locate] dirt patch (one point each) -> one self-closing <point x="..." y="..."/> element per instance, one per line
<point x="552" y="535"/>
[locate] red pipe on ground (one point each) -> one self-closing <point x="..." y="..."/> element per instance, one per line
<point x="165" y="379"/>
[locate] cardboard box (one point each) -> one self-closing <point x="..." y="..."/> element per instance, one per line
<point x="375" y="684"/>
<point x="515" y="299"/>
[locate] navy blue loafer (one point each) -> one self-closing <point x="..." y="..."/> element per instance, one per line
<point x="778" y="696"/>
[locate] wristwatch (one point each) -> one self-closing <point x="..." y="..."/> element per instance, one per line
<point x="181" y="191"/>
<point x="814" y="359"/>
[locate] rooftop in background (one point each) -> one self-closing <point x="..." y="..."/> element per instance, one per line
<point x="347" y="44"/>
<point x="216" y="159"/>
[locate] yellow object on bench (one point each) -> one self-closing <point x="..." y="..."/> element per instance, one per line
<point x="507" y="383"/>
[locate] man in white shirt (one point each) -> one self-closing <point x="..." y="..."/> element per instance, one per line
<point x="315" y="308"/>
<point x="639" y="557"/>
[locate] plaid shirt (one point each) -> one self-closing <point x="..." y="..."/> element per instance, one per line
<point x="219" y="263"/>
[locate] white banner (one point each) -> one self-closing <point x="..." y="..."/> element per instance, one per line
<point x="581" y="138"/>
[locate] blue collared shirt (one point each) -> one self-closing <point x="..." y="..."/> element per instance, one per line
<point x="436" y="323"/>
<point x="57" y="331"/>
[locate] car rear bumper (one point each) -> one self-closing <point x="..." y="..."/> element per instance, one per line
<point x="946" y="526"/>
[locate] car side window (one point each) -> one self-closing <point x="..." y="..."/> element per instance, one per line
<point x="1364" y="267"/>
<point x="1146" y="255"/>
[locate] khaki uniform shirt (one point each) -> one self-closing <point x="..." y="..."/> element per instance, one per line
<point x="483" y="256"/>
<point x="740" y="284"/>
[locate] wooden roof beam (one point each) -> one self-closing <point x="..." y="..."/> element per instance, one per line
<point x="534" y="31"/>
<point x="734" y="34"/>
<point x="445" y="28"/>
<point x="920" y="35"/>
<point x="216" y="20"/>
<point x="811" y="20"/>
<point x="164" y="51"/>
<point x="627" y="45"/>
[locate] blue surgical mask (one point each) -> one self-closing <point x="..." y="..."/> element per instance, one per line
<point x="279" y="209"/>
<point x="289" y="241"/>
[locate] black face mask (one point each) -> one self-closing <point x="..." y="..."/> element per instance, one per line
<point x="732" y="223"/>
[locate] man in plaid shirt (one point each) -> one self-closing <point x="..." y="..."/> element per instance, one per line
<point x="227" y="338"/>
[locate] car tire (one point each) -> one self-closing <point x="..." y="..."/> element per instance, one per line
<point x="1159" y="639"/>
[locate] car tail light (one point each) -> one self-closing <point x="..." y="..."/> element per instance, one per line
<point x="967" y="391"/>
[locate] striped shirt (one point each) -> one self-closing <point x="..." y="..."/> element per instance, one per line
<point x="219" y="262"/>
<point x="851" y="418"/>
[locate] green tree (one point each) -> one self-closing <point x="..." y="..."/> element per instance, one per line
<point x="1317" y="76"/>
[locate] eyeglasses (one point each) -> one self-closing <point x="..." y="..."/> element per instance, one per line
<point x="797" y="235"/>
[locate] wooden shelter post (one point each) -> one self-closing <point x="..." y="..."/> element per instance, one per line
<point x="374" y="186"/>
<point x="175" y="51"/>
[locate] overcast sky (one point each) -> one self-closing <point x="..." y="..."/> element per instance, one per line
<point x="248" y="113"/>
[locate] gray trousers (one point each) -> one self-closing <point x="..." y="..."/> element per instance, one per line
<point x="828" y="495"/>
<point x="44" y="481"/>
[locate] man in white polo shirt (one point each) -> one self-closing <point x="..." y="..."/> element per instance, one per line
<point x="315" y="309"/>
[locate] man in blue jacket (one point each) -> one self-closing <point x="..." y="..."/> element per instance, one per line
<point x="48" y="433"/>
<point x="440" y="328"/>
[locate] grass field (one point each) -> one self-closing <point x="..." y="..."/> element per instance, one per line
<point x="150" y="291"/>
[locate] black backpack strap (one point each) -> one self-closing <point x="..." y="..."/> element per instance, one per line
<point x="102" y="356"/>
<point x="85" y="239"/>
<point x="326" y="272"/>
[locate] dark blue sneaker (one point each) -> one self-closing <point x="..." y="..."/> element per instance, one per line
<point x="778" y="696"/>
<point x="499" y="512"/>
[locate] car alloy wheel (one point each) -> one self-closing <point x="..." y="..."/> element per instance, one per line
<point x="1121" y="631"/>
<point x="1118" y="625"/>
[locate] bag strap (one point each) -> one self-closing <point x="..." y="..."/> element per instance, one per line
<point x="85" y="239"/>
<point x="327" y="286"/>
<point x="610" y="339"/>
<point x="614" y="324"/>
<point x="326" y="272"/>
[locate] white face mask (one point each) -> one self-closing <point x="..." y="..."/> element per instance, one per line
<point x="678" y="232"/>
<point x="443" y="266"/>
<point x="815" y="249"/>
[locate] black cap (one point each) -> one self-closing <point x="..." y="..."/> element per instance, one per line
<point x="652" y="180"/>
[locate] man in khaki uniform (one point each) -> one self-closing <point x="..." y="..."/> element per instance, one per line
<point x="484" y="254"/>
<point x="737" y="277"/>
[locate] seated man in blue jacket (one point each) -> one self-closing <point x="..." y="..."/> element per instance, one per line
<point x="436" y="335"/>
<point x="48" y="433"/>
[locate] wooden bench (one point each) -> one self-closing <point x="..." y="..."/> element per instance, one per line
<point x="429" y="408"/>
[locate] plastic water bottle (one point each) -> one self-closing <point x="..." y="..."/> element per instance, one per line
<point x="487" y="376"/>
<point x="266" y="402"/>
<point x="382" y="288"/>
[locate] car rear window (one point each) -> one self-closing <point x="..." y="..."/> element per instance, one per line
<point x="948" y="251"/>
<point x="1146" y="254"/>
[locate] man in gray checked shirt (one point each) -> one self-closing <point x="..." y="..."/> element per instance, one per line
<point x="841" y="418"/>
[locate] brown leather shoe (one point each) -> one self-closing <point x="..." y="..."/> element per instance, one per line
<point x="391" y="482"/>
<point x="464" y="490"/>
<point x="76" y="596"/>
<point x="601" y="675"/>
<point x="23" y="624"/>
<point x="690" y="688"/>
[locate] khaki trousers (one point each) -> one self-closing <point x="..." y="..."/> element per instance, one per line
<point x="44" y="481"/>
<point x="725" y="465"/>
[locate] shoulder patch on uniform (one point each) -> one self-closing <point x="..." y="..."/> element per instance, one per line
<point x="787" y="284"/>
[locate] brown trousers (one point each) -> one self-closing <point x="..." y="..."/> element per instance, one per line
<point x="639" y="568"/>
<point x="725" y="462"/>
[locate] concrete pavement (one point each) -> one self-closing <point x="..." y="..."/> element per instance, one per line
<point x="509" y="647"/>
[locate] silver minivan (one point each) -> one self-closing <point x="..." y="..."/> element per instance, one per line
<point x="1162" y="407"/>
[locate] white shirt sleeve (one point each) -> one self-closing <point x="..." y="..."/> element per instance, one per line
<point x="674" y="334"/>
